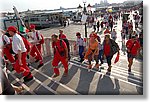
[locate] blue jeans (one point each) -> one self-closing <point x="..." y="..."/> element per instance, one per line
<point x="100" y="56"/>
<point x="81" y="49"/>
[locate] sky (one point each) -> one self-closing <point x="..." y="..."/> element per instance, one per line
<point x="24" y="5"/>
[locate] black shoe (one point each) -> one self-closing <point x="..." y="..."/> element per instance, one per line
<point x="28" y="57"/>
<point x="109" y="69"/>
<point x="81" y="61"/>
<point x="28" y="64"/>
<point x="26" y="79"/>
<point x="40" y="65"/>
<point x="129" y="70"/>
<point x="37" y="61"/>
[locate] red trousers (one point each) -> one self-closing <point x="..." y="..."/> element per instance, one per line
<point x="56" y="60"/>
<point x="9" y="56"/>
<point x="24" y="69"/>
<point x="36" y="52"/>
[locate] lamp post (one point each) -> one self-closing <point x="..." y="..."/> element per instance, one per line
<point x="84" y="12"/>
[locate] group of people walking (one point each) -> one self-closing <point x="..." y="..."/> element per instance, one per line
<point x="16" y="48"/>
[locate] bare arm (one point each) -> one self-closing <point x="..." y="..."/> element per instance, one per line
<point x="19" y="57"/>
<point x="66" y="50"/>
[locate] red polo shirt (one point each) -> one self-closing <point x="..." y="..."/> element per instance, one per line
<point x="135" y="47"/>
<point x="106" y="49"/>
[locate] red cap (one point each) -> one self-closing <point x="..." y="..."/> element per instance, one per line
<point x="106" y="31"/>
<point x="32" y="26"/>
<point x="12" y="28"/>
<point x="78" y="34"/>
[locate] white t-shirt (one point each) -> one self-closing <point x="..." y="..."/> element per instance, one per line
<point x="4" y="38"/>
<point x="18" y="44"/>
<point x="80" y="42"/>
<point x="35" y="34"/>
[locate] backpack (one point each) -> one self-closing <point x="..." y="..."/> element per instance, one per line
<point x="62" y="53"/>
<point x="27" y="44"/>
<point x="68" y="46"/>
<point x="42" y="40"/>
<point x="8" y="46"/>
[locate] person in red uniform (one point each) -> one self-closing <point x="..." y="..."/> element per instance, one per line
<point x="19" y="49"/>
<point x="36" y="47"/>
<point x="6" y="47"/>
<point x="60" y="55"/>
<point x="133" y="47"/>
<point x="61" y="35"/>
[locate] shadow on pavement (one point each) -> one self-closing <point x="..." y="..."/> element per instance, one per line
<point x="84" y="81"/>
<point x="106" y="86"/>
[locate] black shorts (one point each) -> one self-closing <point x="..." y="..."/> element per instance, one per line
<point x="129" y="55"/>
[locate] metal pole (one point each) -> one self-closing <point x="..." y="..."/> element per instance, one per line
<point x="85" y="31"/>
<point x="85" y="22"/>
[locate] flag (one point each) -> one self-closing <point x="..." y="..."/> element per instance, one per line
<point x="18" y="15"/>
<point x="117" y="58"/>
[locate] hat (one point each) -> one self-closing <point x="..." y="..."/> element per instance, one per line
<point x="93" y="34"/>
<point x="54" y="35"/>
<point x="12" y="28"/>
<point x="106" y="32"/>
<point x="78" y="34"/>
<point x="32" y="26"/>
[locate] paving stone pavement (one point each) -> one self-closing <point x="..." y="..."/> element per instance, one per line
<point x="81" y="80"/>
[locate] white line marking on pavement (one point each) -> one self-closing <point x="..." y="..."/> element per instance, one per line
<point x="109" y="76"/>
<point x="68" y="88"/>
<point x="135" y="72"/>
<point x="22" y="84"/>
<point x="124" y="77"/>
<point x="48" y="88"/>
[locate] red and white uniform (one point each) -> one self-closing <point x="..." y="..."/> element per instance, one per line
<point x="36" y="49"/>
<point x="18" y="44"/>
<point x="57" y="57"/>
<point x="5" y="41"/>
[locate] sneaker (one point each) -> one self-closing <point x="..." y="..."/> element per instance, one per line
<point x="81" y="61"/>
<point x="40" y="65"/>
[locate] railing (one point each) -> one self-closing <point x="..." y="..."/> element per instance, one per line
<point x="47" y="47"/>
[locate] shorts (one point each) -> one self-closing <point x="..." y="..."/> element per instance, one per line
<point x="129" y="55"/>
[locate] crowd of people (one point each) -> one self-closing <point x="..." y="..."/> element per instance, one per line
<point x="15" y="48"/>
